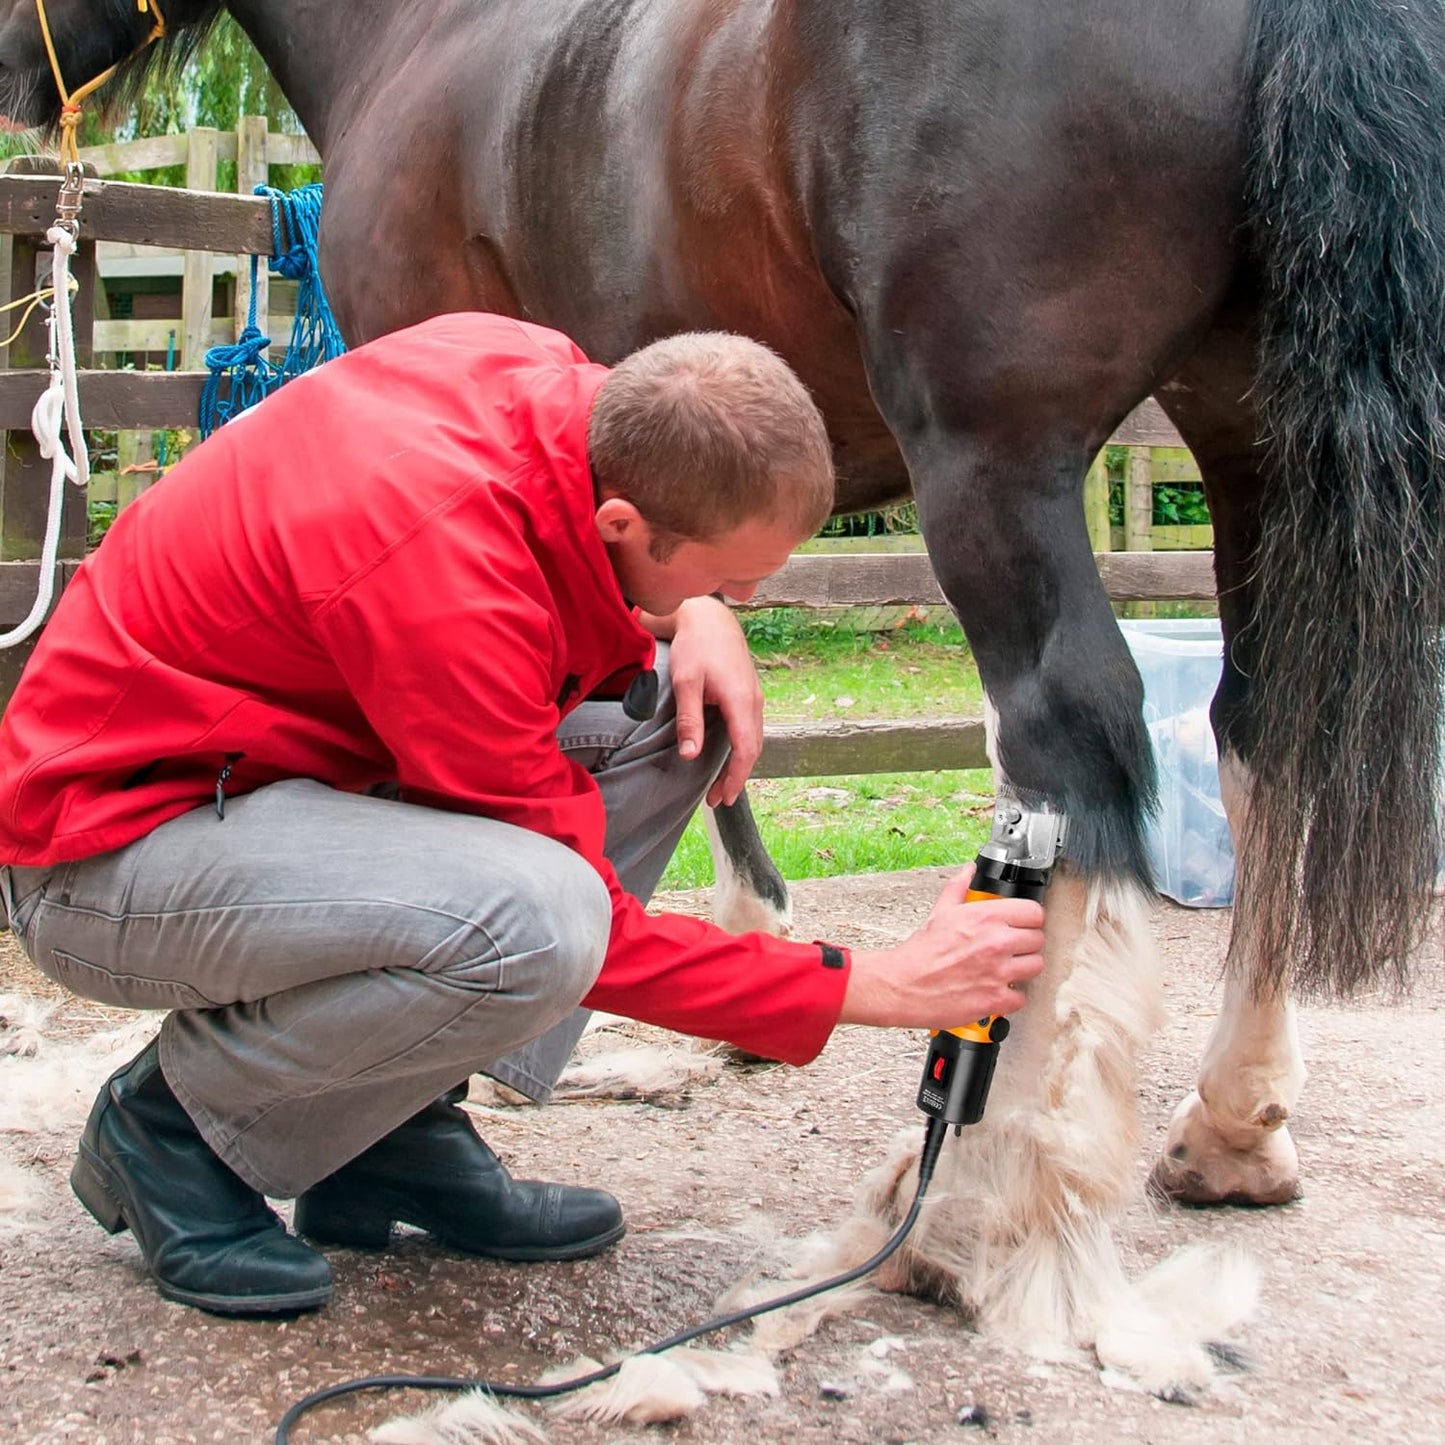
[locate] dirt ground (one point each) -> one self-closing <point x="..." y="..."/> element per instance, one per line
<point x="1349" y="1341"/>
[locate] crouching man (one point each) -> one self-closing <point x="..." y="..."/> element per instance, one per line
<point x="358" y="747"/>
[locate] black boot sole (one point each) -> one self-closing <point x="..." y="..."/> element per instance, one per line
<point x="99" y="1191"/>
<point x="362" y="1228"/>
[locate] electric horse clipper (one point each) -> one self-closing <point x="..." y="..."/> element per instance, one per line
<point x="1016" y="862"/>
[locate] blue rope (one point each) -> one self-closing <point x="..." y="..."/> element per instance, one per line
<point x="240" y="374"/>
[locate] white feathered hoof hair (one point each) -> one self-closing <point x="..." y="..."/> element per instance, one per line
<point x="1017" y="1229"/>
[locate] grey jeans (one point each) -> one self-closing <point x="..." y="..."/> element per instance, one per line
<point x="333" y="962"/>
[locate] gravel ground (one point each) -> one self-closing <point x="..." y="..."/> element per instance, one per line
<point x="1349" y="1341"/>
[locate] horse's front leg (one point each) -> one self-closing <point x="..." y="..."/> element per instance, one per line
<point x="1020" y="1231"/>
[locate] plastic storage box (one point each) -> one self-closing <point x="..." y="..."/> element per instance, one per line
<point x="1189" y="844"/>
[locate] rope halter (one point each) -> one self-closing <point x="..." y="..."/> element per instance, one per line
<point x="70" y="111"/>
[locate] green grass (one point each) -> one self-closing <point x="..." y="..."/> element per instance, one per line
<point x="814" y="672"/>
<point x="822" y="827"/>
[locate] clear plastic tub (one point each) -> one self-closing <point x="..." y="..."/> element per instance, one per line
<point x="1189" y="844"/>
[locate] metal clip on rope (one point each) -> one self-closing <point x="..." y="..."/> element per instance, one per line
<point x="69" y="199"/>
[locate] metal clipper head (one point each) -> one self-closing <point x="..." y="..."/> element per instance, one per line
<point x="1029" y="836"/>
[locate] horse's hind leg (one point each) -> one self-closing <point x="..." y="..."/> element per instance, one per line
<point x="1227" y="1141"/>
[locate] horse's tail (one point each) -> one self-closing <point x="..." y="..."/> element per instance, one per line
<point x="1346" y="218"/>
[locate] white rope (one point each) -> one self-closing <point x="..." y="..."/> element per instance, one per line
<point x="60" y="398"/>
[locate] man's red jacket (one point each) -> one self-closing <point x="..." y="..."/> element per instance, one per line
<point x="387" y="571"/>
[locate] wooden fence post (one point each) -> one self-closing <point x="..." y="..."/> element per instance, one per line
<point x="252" y="170"/>
<point x="1138" y="519"/>
<point x="1096" y="505"/>
<point x="198" y="272"/>
<point x="24" y="474"/>
<point x="1138" y="502"/>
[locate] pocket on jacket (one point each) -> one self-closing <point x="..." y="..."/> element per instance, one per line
<point x="121" y="990"/>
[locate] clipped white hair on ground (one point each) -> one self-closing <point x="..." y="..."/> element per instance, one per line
<point x="1162" y="1334"/>
<point x="812" y="1259"/>
<point x="17" y="1193"/>
<point x="646" y="1073"/>
<point x="619" y="1059"/>
<point x="22" y="1024"/>
<point x="653" y="1389"/>
<point x="647" y="1390"/>
<point x="46" y="1086"/>
<point x="471" y="1419"/>
<point x="53" y="1090"/>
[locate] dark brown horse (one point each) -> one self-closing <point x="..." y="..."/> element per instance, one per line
<point x="982" y="232"/>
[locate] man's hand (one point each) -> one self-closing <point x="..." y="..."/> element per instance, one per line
<point x="710" y="664"/>
<point x="963" y="964"/>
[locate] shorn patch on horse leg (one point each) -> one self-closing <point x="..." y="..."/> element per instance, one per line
<point x="1227" y="1141"/>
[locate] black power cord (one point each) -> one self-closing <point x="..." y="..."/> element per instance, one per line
<point x="936" y="1130"/>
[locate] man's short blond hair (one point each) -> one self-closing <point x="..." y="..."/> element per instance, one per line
<point x="705" y="430"/>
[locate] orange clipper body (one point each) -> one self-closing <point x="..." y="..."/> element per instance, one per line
<point x="1016" y="862"/>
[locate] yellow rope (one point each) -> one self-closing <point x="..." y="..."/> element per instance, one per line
<point x="20" y="325"/>
<point x="30" y="302"/>
<point x="70" y="112"/>
<point x="40" y="295"/>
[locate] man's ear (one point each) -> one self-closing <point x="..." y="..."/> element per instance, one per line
<point x="619" y="521"/>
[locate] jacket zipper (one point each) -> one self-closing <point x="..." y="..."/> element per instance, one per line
<point x="230" y="759"/>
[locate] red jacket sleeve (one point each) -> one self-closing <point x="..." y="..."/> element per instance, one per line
<point x="461" y="692"/>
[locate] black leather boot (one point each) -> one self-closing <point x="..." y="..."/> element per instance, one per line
<point x="435" y="1173"/>
<point x="207" y="1237"/>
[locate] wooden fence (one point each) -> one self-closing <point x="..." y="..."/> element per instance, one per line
<point x="209" y="222"/>
<point x="253" y="149"/>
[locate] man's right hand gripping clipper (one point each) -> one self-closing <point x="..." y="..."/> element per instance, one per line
<point x="1016" y="862"/>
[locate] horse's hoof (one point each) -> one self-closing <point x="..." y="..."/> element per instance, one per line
<point x="1199" y="1166"/>
<point x="738" y="1057"/>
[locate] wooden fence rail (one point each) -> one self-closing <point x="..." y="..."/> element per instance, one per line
<point x="889" y="579"/>
<point x="209" y="221"/>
